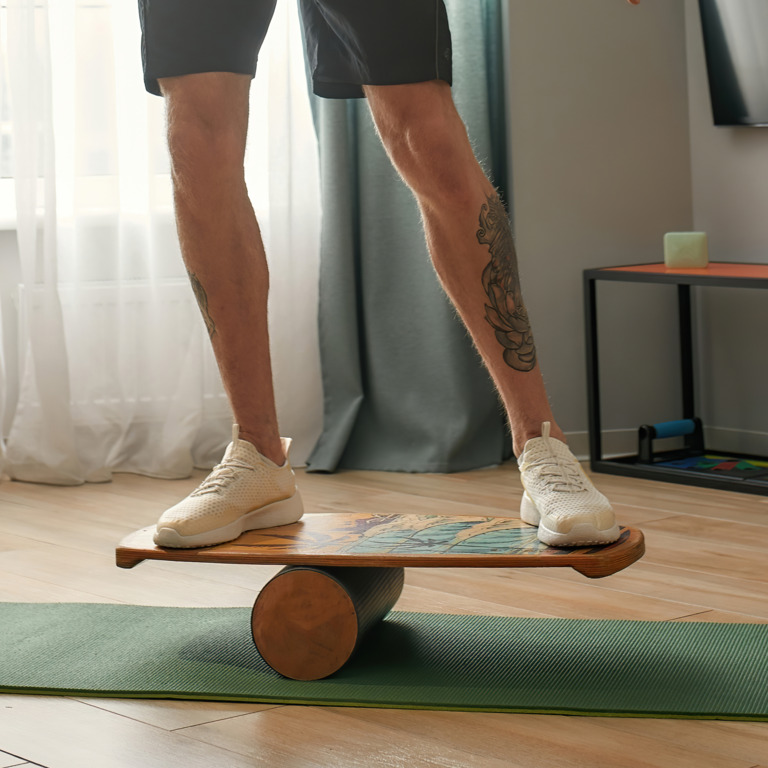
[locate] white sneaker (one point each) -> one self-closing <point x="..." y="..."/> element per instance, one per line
<point x="244" y="492"/>
<point x="560" y="498"/>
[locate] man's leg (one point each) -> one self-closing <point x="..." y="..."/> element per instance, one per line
<point x="253" y="486"/>
<point x="472" y="249"/>
<point x="221" y="242"/>
<point x="469" y="240"/>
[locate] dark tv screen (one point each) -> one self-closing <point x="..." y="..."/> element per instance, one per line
<point x="736" y="47"/>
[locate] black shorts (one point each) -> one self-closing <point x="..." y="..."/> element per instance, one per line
<point x="349" y="43"/>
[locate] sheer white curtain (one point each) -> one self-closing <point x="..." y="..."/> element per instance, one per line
<point x="116" y="372"/>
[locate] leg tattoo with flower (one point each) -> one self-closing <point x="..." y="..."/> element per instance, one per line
<point x="501" y="282"/>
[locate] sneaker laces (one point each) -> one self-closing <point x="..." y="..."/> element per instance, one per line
<point x="558" y="473"/>
<point x="221" y="475"/>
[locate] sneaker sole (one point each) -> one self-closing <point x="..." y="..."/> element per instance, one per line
<point x="581" y="535"/>
<point x="278" y="513"/>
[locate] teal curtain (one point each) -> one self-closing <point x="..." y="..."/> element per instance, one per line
<point x="404" y="388"/>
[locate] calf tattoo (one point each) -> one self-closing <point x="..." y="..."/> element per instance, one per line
<point x="506" y="312"/>
<point x="202" y="302"/>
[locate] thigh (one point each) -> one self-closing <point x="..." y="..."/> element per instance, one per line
<point x="182" y="37"/>
<point x="351" y="43"/>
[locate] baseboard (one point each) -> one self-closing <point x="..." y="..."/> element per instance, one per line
<point x="616" y="442"/>
<point x="736" y="440"/>
<point x="623" y="442"/>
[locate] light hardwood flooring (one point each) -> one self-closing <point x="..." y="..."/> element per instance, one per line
<point x="706" y="561"/>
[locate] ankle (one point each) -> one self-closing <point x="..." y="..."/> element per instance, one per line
<point x="525" y="432"/>
<point x="271" y="448"/>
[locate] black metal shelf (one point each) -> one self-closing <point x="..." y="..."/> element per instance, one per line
<point x="715" y="275"/>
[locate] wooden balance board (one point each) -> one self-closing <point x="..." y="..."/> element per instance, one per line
<point x="344" y="572"/>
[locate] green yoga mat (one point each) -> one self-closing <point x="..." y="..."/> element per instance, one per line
<point x="411" y="661"/>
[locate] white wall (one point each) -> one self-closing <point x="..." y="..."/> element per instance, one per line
<point x="601" y="170"/>
<point x="730" y="203"/>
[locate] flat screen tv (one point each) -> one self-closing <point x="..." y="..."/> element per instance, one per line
<point x="736" y="47"/>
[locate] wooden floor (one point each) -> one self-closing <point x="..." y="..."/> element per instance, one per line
<point x="706" y="561"/>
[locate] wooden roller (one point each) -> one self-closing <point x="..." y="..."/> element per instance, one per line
<point x="307" y="621"/>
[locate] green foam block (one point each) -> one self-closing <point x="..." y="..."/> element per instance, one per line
<point x="686" y="250"/>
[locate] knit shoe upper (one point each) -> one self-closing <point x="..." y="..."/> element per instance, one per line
<point x="560" y="498"/>
<point x="245" y="491"/>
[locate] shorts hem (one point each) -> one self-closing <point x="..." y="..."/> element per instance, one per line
<point x="153" y="86"/>
<point x="328" y="89"/>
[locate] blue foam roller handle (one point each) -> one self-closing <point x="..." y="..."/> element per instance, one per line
<point x="675" y="428"/>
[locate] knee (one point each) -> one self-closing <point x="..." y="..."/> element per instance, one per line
<point x="416" y="140"/>
<point x="206" y="133"/>
<point x="432" y="152"/>
<point x="202" y="158"/>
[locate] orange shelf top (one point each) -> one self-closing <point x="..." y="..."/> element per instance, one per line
<point x="714" y="269"/>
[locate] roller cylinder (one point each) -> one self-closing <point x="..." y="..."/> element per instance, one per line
<point x="307" y="622"/>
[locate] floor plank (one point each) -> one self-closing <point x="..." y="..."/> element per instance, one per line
<point x="542" y="741"/>
<point x="748" y="536"/>
<point x="719" y="559"/>
<point x="424" y="600"/>
<point x="573" y="598"/>
<point x="172" y="715"/>
<point x="723" y="617"/>
<point x="744" y="741"/>
<point x="329" y="739"/>
<point x="671" y="498"/>
<point x="690" y="586"/>
<point x="64" y="733"/>
<point x="97" y="576"/>
<point x="12" y="761"/>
